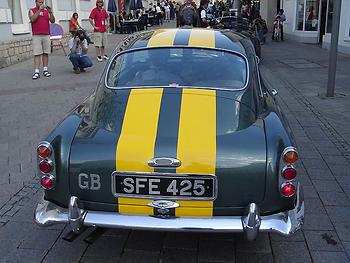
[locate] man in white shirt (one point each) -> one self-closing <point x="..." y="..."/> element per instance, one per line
<point x="202" y="12"/>
<point x="159" y="15"/>
<point x="78" y="47"/>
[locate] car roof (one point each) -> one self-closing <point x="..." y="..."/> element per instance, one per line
<point x="192" y="37"/>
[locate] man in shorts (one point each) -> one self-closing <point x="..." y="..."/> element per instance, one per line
<point x="40" y="16"/>
<point x="99" y="20"/>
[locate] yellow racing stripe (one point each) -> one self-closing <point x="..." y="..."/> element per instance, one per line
<point x="162" y="37"/>
<point x="202" y="38"/>
<point x="137" y="140"/>
<point x="197" y="143"/>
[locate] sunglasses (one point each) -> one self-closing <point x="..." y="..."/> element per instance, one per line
<point x="100" y="2"/>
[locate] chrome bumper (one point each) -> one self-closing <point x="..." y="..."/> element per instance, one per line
<point x="284" y="223"/>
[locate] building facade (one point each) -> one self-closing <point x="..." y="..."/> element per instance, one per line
<point x="310" y="21"/>
<point x="14" y="21"/>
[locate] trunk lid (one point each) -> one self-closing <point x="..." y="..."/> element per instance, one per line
<point x="207" y="131"/>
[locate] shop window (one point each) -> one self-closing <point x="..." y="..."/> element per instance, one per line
<point x="300" y="14"/>
<point x="307" y="15"/>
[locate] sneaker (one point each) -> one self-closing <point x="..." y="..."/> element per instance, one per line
<point x="36" y="75"/>
<point x="76" y="71"/>
<point x="105" y="57"/>
<point x="46" y="73"/>
<point x="99" y="59"/>
<point x="82" y="70"/>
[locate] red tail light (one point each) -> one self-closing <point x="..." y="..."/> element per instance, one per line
<point x="289" y="173"/>
<point x="43" y="151"/>
<point x="290" y="156"/>
<point x="288" y="189"/>
<point x="47" y="182"/>
<point x="45" y="166"/>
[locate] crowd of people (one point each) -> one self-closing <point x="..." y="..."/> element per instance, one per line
<point x="186" y="14"/>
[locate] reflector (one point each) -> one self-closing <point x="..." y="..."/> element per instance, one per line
<point x="288" y="190"/>
<point x="47" y="182"/>
<point x="45" y="167"/>
<point x="289" y="173"/>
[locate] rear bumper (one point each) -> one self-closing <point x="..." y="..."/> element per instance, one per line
<point x="284" y="223"/>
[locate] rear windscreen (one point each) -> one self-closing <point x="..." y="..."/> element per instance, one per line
<point x="189" y="67"/>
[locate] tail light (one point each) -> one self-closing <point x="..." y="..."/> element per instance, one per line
<point x="46" y="164"/>
<point x="289" y="173"/>
<point x="288" y="189"/>
<point x="290" y="155"/>
<point x="47" y="182"/>
<point x="44" y="150"/>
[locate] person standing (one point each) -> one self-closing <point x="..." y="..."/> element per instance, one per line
<point x="74" y="25"/>
<point x="280" y="18"/>
<point x="39" y="17"/>
<point x="188" y="15"/>
<point x="260" y="28"/>
<point x="202" y="13"/>
<point x="78" y="52"/>
<point x="99" y="20"/>
<point x="159" y="14"/>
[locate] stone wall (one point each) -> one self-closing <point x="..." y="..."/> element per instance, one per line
<point x="18" y="50"/>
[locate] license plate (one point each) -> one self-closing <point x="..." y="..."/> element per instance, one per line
<point x="159" y="185"/>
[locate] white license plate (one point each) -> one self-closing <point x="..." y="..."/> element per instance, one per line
<point x="170" y="186"/>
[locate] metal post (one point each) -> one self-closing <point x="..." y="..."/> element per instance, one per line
<point x="333" y="53"/>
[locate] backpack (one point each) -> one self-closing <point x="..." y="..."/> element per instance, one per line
<point x="188" y="15"/>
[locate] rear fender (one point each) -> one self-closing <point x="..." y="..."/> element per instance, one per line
<point x="277" y="139"/>
<point x="61" y="140"/>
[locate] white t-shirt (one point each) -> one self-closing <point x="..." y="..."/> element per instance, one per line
<point x="158" y="10"/>
<point x="79" y="49"/>
<point x="203" y="14"/>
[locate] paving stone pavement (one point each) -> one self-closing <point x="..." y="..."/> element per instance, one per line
<point x="30" y="109"/>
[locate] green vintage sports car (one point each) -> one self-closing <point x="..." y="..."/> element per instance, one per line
<point x="181" y="134"/>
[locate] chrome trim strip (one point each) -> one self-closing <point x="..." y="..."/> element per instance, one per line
<point x="284" y="223"/>
<point x="166" y="175"/>
<point x="180" y="46"/>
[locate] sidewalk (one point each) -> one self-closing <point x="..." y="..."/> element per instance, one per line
<point x="29" y="109"/>
<point x="322" y="130"/>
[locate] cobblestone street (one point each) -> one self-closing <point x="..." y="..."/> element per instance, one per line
<point x="30" y="109"/>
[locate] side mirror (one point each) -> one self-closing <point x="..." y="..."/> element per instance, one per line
<point x="274" y="92"/>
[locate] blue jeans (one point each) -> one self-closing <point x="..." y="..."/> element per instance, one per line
<point x="80" y="61"/>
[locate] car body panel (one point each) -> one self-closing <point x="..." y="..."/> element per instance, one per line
<point x="177" y="123"/>
<point x="234" y="136"/>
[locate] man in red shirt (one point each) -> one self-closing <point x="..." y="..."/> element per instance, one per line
<point x="40" y="16"/>
<point x="99" y="20"/>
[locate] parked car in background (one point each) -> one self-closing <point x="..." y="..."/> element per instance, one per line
<point x="240" y="26"/>
<point x="181" y="134"/>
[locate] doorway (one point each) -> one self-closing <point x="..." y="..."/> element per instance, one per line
<point x="323" y="20"/>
